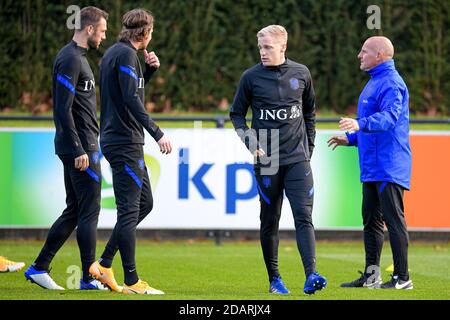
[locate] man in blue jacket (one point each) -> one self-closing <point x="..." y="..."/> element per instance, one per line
<point x="381" y="133"/>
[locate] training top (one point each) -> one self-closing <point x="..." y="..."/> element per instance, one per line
<point x="123" y="115"/>
<point x="74" y="102"/>
<point x="383" y="118"/>
<point x="281" y="98"/>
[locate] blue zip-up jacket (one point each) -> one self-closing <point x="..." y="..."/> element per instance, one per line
<point x="383" y="118"/>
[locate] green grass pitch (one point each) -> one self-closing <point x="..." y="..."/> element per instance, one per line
<point x="200" y="270"/>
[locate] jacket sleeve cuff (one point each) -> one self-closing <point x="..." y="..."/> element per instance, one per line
<point x="362" y="123"/>
<point x="149" y="71"/>
<point x="78" y="152"/>
<point x="158" y="135"/>
<point x="352" y="139"/>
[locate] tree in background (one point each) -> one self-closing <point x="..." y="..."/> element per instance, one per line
<point x="204" y="46"/>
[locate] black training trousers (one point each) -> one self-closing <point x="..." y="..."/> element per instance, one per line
<point x="134" y="202"/>
<point x="296" y="180"/>
<point x="383" y="203"/>
<point x="83" y="193"/>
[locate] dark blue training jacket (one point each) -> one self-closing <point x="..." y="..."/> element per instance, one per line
<point x="281" y="98"/>
<point x="123" y="116"/>
<point x="74" y="102"/>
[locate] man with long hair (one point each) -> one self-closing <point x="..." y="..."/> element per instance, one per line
<point x="123" y="118"/>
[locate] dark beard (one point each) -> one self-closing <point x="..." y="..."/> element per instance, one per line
<point x="92" y="44"/>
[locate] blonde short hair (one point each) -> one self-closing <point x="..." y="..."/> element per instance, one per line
<point x="276" y="31"/>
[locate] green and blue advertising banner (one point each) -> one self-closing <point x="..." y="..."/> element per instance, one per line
<point x="206" y="182"/>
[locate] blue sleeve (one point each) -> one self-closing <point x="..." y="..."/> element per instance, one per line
<point x="128" y="82"/>
<point x="352" y="138"/>
<point x="390" y="101"/>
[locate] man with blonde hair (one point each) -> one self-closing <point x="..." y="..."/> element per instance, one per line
<point x="281" y="95"/>
<point x="381" y="133"/>
<point x="276" y="31"/>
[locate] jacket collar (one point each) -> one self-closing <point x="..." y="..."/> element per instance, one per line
<point x="388" y="65"/>
<point x="286" y="63"/>
<point x="77" y="47"/>
<point x="128" y="43"/>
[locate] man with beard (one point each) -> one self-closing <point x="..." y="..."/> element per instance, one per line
<point x="76" y="144"/>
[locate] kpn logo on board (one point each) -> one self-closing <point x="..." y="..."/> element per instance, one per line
<point x="108" y="200"/>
